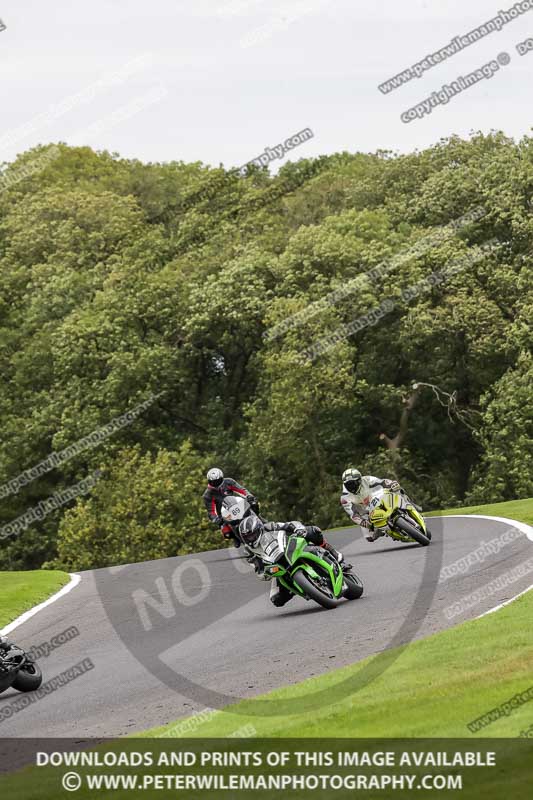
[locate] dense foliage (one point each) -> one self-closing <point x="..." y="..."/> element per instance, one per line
<point x="121" y="280"/>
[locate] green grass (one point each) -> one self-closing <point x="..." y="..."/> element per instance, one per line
<point x="429" y="688"/>
<point x="20" y="591"/>
<point x="521" y="510"/>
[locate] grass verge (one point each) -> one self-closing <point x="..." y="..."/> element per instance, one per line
<point x="521" y="510"/>
<point x="20" y="591"/>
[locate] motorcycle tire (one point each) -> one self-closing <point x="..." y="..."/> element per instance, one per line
<point x="29" y="678"/>
<point x="411" y="530"/>
<point x="312" y="591"/>
<point x="6" y="681"/>
<point x="354" y="586"/>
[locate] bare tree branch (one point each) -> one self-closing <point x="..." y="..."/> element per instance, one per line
<point x="449" y="402"/>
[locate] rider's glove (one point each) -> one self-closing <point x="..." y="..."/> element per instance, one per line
<point x="289" y="527"/>
<point x="392" y="485"/>
<point x="293" y="527"/>
<point x="254" y="503"/>
<point x="257" y="564"/>
<point x="217" y="521"/>
<point x="364" y="523"/>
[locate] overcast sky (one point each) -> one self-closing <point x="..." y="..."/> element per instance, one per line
<point x="219" y="80"/>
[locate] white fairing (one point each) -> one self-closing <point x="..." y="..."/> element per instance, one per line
<point x="376" y="494"/>
<point x="233" y="509"/>
<point x="270" y="546"/>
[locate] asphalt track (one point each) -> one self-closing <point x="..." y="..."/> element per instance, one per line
<point x="171" y="637"/>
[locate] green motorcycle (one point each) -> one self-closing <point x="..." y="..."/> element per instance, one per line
<point x="307" y="570"/>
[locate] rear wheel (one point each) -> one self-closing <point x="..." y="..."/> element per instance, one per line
<point x="402" y="525"/>
<point x="29" y="678"/>
<point x="315" y="591"/>
<point x="354" y="586"/>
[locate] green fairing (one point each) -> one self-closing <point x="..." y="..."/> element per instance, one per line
<point x="300" y="555"/>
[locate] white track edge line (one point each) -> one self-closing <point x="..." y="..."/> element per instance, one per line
<point x="74" y="581"/>
<point x="521" y="526"/>
<point x="506" y="603"/>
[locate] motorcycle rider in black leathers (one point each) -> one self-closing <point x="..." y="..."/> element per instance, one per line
<point x="250" y="531"/>
<point x="219" y="487"/>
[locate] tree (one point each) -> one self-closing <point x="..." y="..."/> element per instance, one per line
<point x="506" y="436"/>
<point x="144" y="507"/>
<point x="205" y="289"/>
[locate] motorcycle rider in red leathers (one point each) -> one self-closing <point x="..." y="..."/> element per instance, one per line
<point x="219" y="487"/>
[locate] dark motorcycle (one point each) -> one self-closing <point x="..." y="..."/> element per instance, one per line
<point x="18" y="670"/>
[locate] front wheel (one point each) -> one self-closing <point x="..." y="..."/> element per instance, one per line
<point x="6" y="680"/>
<point x="313" y="590"/>
<point x="354" y="586"/>
<point x="411" y="530"/>
<point x="29" y="678"/>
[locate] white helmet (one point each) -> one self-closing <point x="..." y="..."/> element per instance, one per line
<point x="215" y="476"/>
<point x="351" y="479"/>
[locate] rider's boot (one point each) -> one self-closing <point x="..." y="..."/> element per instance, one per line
<point x="335" y="553"/>
<point x="279" y="594"/>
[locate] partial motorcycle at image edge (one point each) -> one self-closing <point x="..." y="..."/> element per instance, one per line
<point x="306" y="570"/>
<point x="395" y="515"/>
<point x="18" y="670"/>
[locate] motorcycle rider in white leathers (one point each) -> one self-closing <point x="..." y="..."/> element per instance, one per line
<point x="358" y="491"/>
<point x="250" y="531"/>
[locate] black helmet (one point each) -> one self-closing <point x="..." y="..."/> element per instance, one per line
<point x="250" y="530"/>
